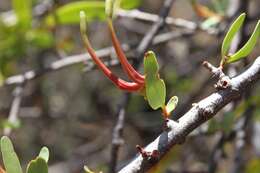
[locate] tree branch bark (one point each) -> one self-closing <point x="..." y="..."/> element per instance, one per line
<point x="198" y="114"/>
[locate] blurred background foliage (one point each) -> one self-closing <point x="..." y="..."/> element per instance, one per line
<point x="73" y="112"/>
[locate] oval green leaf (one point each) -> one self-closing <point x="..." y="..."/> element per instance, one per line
<point x="11" y="161"/>
<point x="171" y="105"/>
<point x="95" y="10"/>
<point x="231" y="33"/>
<point x="38" y="165"/>
<point x="44" y="154"/>
<point x="69" y="13"/>
<point x="151" y="65"/>
<point x="155" y="91"/>
<point x="248" y="47"/>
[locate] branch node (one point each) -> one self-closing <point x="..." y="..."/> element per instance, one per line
<point x="223" y="80"/>
<point x="150" y="156"/>
<point x="170" y="125"/>
<point x="223" y="83"/>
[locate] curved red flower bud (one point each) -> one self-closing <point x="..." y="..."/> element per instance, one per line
<point x="127" y="67"/>
<point x="120" y="83"/>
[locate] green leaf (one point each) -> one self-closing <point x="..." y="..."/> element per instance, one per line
<point x="171" y="105"/>
<point x="38" y="165"/>
<point x="248" y="47"/>
<point x="10" y="159"/>
<point x="154" y="86"/>
<point x="69" y="13"/>
<point x="231" y="33"/>
<point x="150" y="63"/>
<point x="44" y="154"/>
<point x="23" y="11"/>
<point x="155" y="91"/>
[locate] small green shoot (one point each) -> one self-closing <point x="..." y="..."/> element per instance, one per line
<point x="248" y="47"/>
<point x="171" y="105"/>
<point x="230" y="35"/>
<point x="44" y="154"/>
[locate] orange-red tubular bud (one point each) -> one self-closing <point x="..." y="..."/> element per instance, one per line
<point x="128" y="68"/>
<point x="122" y="84"/>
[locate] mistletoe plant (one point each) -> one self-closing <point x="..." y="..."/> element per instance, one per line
<point x="149" y="85"/>
<point x="12" y="163"/>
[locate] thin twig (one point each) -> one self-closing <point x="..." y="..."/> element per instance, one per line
<point x="177" y="22"/>
<point x="117" y="138"/>
<point x="15" y="107"/>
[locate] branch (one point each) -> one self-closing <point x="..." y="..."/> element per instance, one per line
<point x="239" y="41"/>
<point x="117" y="138"/>
<point x="15" y="107"/>
<point x="177" y="22"/>
<point x="198" y="114"/>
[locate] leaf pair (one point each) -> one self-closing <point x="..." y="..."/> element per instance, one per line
<point x="12" y="163"/>
<point x="155" y="89"/>
<point x="246" y="49"/>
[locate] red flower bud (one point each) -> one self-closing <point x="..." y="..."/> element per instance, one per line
<point x="128" y="68"/>
<point x="120" y="83"/>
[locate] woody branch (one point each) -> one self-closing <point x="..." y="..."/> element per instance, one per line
<point x="198" y="114"/>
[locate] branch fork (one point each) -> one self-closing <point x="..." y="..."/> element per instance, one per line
<point x="224" y="81"/>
